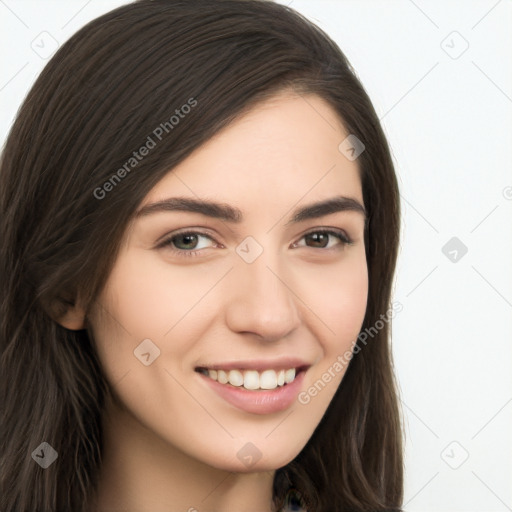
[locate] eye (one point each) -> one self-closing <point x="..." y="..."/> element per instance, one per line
<point x="185" y="243"/>
<point x="320" y="238"/>
<point x="187" y="239"/>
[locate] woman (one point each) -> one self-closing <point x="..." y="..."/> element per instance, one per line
<point x="199" y="216"/>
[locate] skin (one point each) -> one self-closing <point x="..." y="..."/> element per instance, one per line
<point x="171" y="442"/>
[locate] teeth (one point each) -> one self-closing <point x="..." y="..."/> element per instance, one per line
<point x="236" y="378"/>
<point x="289" y="375"/>
<point x="252" y="379"/>
<point x="268" y="379"/>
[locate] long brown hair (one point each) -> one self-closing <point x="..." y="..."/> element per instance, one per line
<point x="95" y="103"/>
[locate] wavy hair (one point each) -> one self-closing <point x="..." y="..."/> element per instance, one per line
<point x="96" y="101"/>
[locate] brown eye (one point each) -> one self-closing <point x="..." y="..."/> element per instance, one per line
<point x="319" y="239"/>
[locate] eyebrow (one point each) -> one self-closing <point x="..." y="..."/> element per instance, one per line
<point x="232" y="214"/>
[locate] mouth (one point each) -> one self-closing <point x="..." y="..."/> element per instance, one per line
<point x="252" y="379"/>
<point x="257" y="386"/>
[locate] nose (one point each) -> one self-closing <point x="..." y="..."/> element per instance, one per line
<point x="262" y="300"/>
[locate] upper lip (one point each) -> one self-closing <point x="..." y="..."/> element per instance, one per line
<point x="259" y="364"/>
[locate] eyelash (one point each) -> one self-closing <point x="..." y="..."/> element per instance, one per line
<point x="167" y="243"/>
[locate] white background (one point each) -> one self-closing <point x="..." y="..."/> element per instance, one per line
<point x="447" y="112"/>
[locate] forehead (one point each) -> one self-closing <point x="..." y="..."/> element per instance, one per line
<point x="283" y="152"/>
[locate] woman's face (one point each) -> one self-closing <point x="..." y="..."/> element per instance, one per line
<point x="243" y="291"/>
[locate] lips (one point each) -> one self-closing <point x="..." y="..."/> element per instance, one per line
<point x="256" y="401"/>
<point x="255" y="375"/>
<point x="258" y="364"/>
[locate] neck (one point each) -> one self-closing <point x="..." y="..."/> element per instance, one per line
<point x="144" y="473"/>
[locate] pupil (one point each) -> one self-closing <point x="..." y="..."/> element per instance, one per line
<point x="189" y="237"/>
<point x="316" y="236"/>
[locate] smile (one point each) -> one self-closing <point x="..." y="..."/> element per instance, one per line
<point x="252" y="380"/>
<point x="257" y="386"/>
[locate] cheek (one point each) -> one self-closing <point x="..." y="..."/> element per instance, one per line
<point x="348" y="313"/>
<point x="149" y="297"/>
<point x="337" y="295"/>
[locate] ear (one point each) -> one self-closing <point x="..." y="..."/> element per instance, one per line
<point x="67" y="314"/>
<point x="73" y="319"/>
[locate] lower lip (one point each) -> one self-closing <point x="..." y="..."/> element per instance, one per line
<point x="258" y="402"/>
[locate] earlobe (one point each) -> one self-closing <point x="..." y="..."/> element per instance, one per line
<point x="73" y="319"/>
<point x="67" y="314"/>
